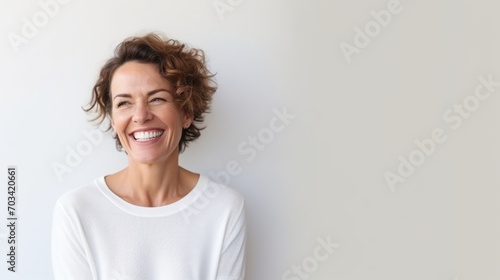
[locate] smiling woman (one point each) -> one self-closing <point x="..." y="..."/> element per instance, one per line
<point x="132" y="223"/>
<point x="144" y="114"/>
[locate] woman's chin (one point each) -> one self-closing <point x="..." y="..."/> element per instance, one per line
<point x="145" y="158"/>
<point x="151" y="157"/>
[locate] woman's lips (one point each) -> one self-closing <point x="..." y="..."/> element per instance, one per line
<point x="147" y="135"/>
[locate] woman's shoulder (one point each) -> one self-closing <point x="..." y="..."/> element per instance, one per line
<point x="223" y="192"/>
<point x="79" y="196"/>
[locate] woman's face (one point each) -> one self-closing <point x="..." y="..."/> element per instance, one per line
<point x="144" y="116"/>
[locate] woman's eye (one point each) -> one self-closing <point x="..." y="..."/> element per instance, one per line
<point x="157" y="99"/>
<point x="121" y="103"/>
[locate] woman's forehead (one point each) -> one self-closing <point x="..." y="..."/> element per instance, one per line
<point x="134" y="77"/>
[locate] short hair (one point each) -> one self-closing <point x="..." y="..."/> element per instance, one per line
<point x="183" y="67"/>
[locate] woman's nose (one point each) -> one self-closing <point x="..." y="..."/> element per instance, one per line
<point x="142" y="114"/>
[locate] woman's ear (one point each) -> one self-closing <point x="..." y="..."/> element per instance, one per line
<point x="112" y="123"/>
<point x="188" y="119"/>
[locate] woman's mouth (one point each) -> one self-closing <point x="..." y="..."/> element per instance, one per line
<point x="147" y="135"/>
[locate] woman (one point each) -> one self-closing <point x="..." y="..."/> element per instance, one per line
<point x="153" y="219"/>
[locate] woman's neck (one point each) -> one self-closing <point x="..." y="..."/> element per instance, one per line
<point x="153" y="185"/>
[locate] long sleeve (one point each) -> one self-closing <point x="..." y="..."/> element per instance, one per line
<point x="69" y="260"/>
<point x="232" y="259"/>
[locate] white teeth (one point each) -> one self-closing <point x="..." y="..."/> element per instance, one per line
<point x="147" y="135"/>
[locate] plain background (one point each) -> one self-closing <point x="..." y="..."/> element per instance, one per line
<point x="322" y="175"/>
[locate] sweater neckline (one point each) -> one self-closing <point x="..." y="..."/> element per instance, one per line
<point x="158" y="211"/>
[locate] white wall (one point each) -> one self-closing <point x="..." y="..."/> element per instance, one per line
<point x="322" y="175"/>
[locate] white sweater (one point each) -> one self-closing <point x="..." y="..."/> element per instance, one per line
<point x="98" y="235"/>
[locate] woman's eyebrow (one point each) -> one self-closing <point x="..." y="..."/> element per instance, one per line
<point x="127" y="95"/>
<point x="157" y="90"/>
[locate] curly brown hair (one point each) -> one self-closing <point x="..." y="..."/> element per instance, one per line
<point x="183" y="67"/>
